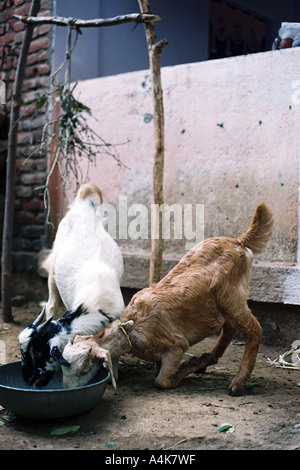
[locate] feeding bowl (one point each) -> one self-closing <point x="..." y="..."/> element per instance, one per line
<point x="51" y="401"/>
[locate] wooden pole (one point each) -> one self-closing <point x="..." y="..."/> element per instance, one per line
<point x="155" y="50"/>
<point x="98" y="22"/>
<point x="10" y="169"/>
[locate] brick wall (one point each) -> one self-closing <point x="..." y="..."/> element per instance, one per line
<point x="29" y="226"/>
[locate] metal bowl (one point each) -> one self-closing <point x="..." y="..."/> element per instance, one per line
<point x="52" y="401"/>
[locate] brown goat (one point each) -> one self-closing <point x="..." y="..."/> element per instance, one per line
<point x="207" y="290"/>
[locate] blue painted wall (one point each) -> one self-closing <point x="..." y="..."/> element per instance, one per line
<point x="185" y="23"/>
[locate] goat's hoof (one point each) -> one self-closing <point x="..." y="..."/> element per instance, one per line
<point x="235" y="391"/>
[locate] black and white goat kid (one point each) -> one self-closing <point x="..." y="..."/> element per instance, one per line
<point x="85" y="268"/>
<point x="42" y="342"/>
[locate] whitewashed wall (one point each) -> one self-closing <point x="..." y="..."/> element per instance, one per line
<point x="231" y="141"/>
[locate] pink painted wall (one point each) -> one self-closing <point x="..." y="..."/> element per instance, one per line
<point x="231" y="141"/>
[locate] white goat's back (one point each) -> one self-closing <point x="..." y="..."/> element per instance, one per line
<point x="100" y="291"/>
<point x="88" y="263"/>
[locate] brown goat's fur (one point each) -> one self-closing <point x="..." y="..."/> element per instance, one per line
<point x="207" y="290"/>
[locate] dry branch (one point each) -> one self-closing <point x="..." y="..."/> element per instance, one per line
<point x="78" y="23"/>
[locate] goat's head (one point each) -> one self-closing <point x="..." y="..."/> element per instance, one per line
<point x="84" y="358"/>
<point x="39" y="361"/>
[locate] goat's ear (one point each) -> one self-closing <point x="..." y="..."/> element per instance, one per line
<point x="86" y="362"/>
<point x="104" y="355"/>
<point x="58" y="357"/>
<point x="80" y="338"/>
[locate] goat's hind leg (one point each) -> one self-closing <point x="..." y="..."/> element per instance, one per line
<point x="249" y="326"/>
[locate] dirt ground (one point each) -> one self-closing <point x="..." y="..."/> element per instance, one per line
<point x="138" y="416"/>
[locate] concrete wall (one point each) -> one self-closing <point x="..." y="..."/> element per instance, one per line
<point x="232" y="141"/>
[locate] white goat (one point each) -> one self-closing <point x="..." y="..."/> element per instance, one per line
<point x="85" y="265"/>
<point x="85" y="268"/>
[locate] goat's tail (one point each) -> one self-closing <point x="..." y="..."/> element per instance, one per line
<point x="87" y="190"/>
<point x="259" y="231"/>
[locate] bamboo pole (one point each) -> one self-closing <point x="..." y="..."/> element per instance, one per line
<point x="155" y="50"/>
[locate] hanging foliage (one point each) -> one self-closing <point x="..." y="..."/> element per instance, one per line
<point x="69" y="136"/>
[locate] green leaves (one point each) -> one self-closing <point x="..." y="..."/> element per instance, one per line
<point x="227" y="428"/>
<point x="39" y="101"/>
<point x="110" y="445"/>
<point x="64" y="430"/>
